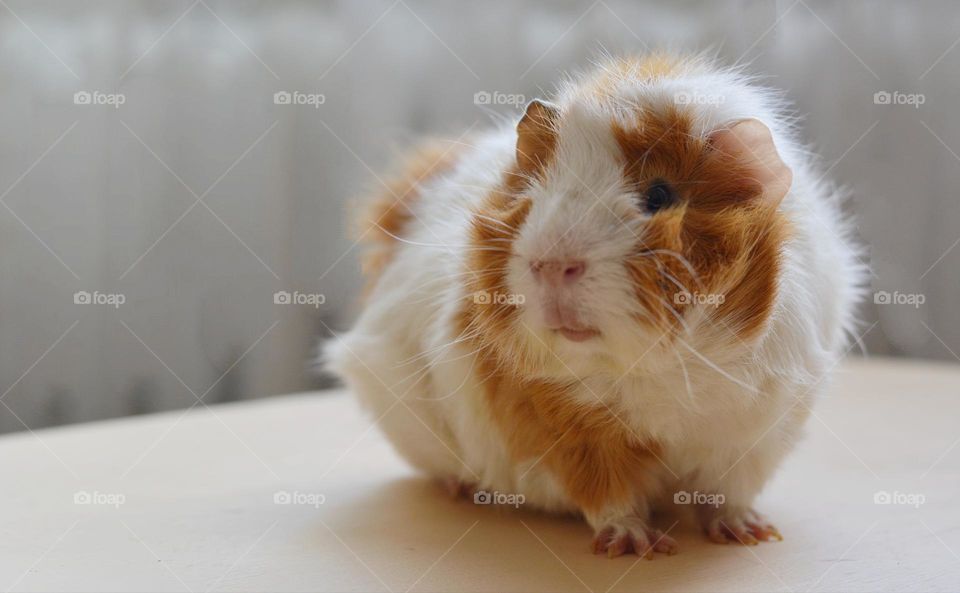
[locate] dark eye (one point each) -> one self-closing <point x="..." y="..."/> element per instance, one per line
<point x="658" y="196"/>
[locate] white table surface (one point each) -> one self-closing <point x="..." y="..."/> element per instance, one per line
<point x="198" y="511"/>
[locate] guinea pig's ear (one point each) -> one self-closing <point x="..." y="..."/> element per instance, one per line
<point x="536" y="135"/>
<point x="751" y="142"/>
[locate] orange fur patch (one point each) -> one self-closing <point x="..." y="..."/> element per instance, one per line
<point x="536" y="142"/>
<point x="503" y="212"/>
<point x="646" y="68"/>
<point x="721" y="226"/>
<point x="590" y="452"/>
<point x="385" y="215"/>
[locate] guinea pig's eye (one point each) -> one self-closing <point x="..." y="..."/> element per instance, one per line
<point x="658" y="196"/>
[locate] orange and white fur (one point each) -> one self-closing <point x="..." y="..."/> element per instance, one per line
<point x="636" y="290"/>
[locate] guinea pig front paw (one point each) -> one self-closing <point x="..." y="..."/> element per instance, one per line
<point x="631" y="534"/>
<point x="743" y="526"/>
<point x="459" y="489"/>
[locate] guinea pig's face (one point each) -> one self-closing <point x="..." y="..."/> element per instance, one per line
<point x="617" y="235"/>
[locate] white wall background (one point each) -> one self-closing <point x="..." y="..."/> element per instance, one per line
<point x="99" y="198"/>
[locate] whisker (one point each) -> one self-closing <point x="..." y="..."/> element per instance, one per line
<point x="679" y="257"/>
<point x="418" y="244"/>
<point x="715" y="367"/>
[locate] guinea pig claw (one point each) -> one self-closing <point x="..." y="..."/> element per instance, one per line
<point x="619" y="546"/>
<point x="765" y="532"/>
<point x="743" y="536"/>
<point x="747" y="528"/>
<point x="631" y="535"/>
<point x="664" y="544"/>
<point x="717" y="537"/>
<point x="602" y="539"/>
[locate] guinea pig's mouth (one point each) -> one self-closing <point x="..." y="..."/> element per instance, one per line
<point x="577" y="335"/>
<point x="565" y="320"/>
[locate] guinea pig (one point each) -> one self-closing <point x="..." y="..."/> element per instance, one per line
<point x="628" y="299"/>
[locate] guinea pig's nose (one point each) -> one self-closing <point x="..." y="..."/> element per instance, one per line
<point x="558" y="273"/>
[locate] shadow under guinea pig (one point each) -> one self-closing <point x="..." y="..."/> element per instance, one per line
<point x="414" y="531"/>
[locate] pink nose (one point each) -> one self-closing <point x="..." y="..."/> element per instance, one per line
<point x="558" y="273"/>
